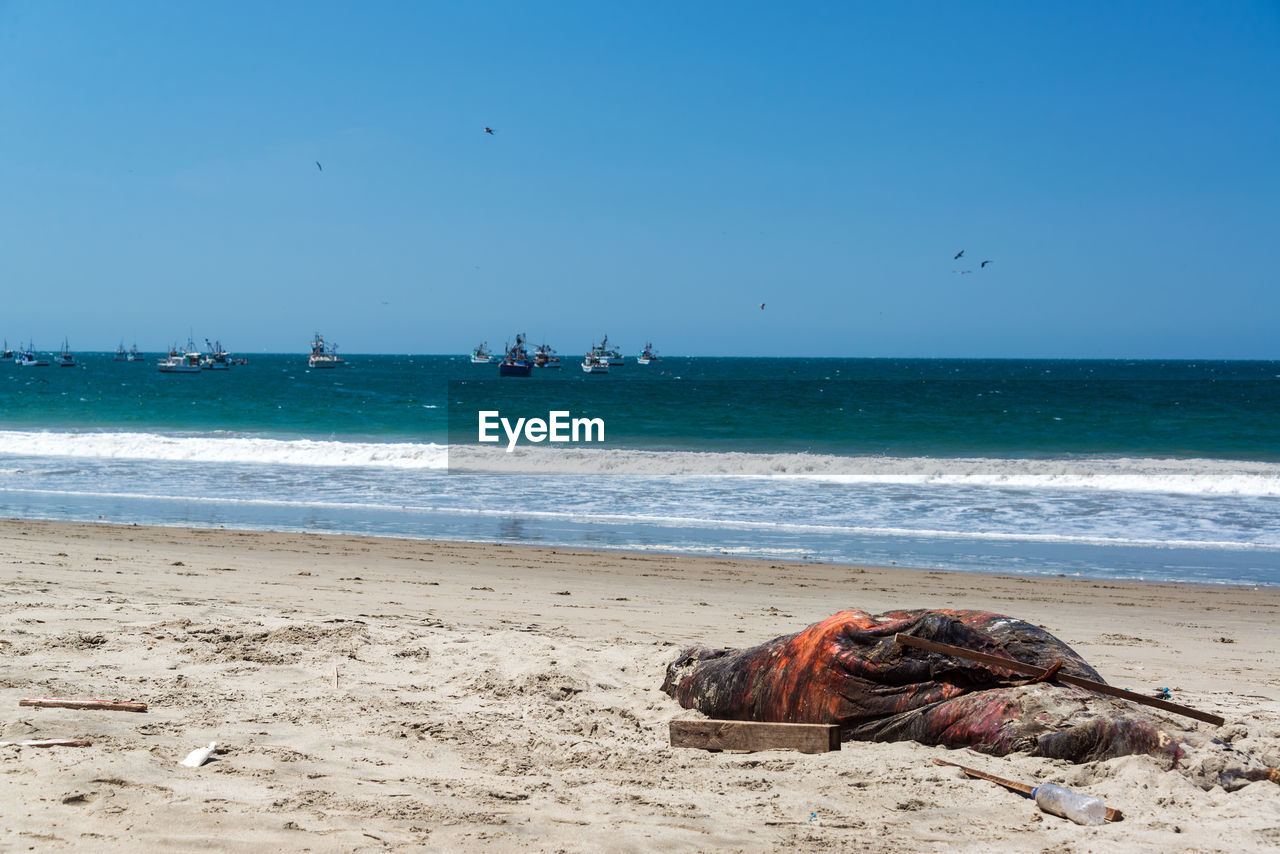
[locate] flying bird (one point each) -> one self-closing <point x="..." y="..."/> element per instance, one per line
<point x="985" y="263"/>
<point x="762" y="306"/>
<point x="962" y="272"/>
<point x="488" y="130"/>
<point x="318" y="166"/>
<point x="958" y="254"/>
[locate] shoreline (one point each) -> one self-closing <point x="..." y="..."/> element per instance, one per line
<point x="710" y="554"/>
<point x="499" y="696"/>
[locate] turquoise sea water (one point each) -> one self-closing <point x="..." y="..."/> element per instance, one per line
<point x="1103" y="468"/>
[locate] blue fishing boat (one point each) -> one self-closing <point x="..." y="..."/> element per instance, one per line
<point x="517" y="362"/>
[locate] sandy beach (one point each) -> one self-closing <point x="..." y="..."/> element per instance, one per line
<point x="372" y="694"/>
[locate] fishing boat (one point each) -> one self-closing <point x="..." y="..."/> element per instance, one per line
<point x="134" y="355"/>
<point x="8" y="353"/>
<point x="27" y="357"/>
<point x="611" y="355"/>
<point x="64" y="357"/>
<point x="517" y="362"/>
<point x="545" y="357"/>
<point x="481" y="356"/>
<point x="593" y="364"/>
<point x="121" y="354"/>
<point x="647" y="355"/>
<point x="323" y="355"/>
<point x="218" y="359"/>
<point x="180" y="361"/>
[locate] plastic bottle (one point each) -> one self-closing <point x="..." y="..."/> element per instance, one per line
<point x="199" y="756"/>
<point x="1082" y="809"/>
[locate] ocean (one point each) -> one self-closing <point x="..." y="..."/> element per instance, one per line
<point x="1148" y="470"/>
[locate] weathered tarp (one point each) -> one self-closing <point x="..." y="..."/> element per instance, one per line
<point x="849" y="671"/>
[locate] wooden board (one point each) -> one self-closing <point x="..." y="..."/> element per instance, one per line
<point x="755" y="735"/>
<point x="73" y="703"/>
<point x="48" y="742"/>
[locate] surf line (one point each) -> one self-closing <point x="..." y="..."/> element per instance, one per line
<point x="558" y="426"/>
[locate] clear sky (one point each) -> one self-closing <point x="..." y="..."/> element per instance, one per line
<point x="657" y="170"/>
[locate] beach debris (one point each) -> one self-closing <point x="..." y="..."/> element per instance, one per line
<point x="1024" y="788"/>
<point x="77" y="703"/>
<point x="851" y="670"/>
<point x="754" y="735"/>
<point x="199" y="756"/>
<point x="1050" y="674"/>
<point x="1061" y="801"/>
<point x="48" y="742"/>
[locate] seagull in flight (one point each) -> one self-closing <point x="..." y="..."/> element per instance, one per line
<point x="985" y="263"/>
<point x="318" y="166"/>
<point x="762" y="306"/>
<point x="958" y="254"/>
<point x="488" y="130"/>
<point x="962" y="272"/>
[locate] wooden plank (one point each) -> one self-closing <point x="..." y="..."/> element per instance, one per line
<point x="73" y="703"/>
<point x="1024" y="788"/>
<point x="755" y="735"/>
<point x="1032" y="670"/>
<point x="48" y="742"/>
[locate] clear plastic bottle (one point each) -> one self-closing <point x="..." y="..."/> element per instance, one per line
<point x="1082" y="809"/>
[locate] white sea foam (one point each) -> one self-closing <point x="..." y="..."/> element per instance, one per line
<point x="1164" y="475"/>
<point x="577" y="517"/>
<point x="223" y="449"/>
<point x="1152" y="475"/>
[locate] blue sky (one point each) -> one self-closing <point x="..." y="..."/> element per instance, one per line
<point x="658" y="170"/>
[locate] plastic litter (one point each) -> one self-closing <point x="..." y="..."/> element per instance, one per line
<point x="199" y="756"/>
<point x="1082" y="809"/>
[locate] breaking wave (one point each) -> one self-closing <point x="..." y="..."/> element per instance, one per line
<point x="1118" y="474"/>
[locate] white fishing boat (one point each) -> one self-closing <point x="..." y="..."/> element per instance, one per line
<point x="647" y="355"/>
<point x="64" y="357"/>
<point x="610" y="355"/>
<point x="593" y="364"/>
<point x="26" y="357"/>
<point x="481" y="356"/>
<point x="180" y="361"/>
<point x="323" y="355"/>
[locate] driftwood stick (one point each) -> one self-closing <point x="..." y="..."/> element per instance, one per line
<point x="1014" y="785"/>
<point x="48" y="742"/>
<point x="72" y="703"/>
<point x="1032" y="670"/>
